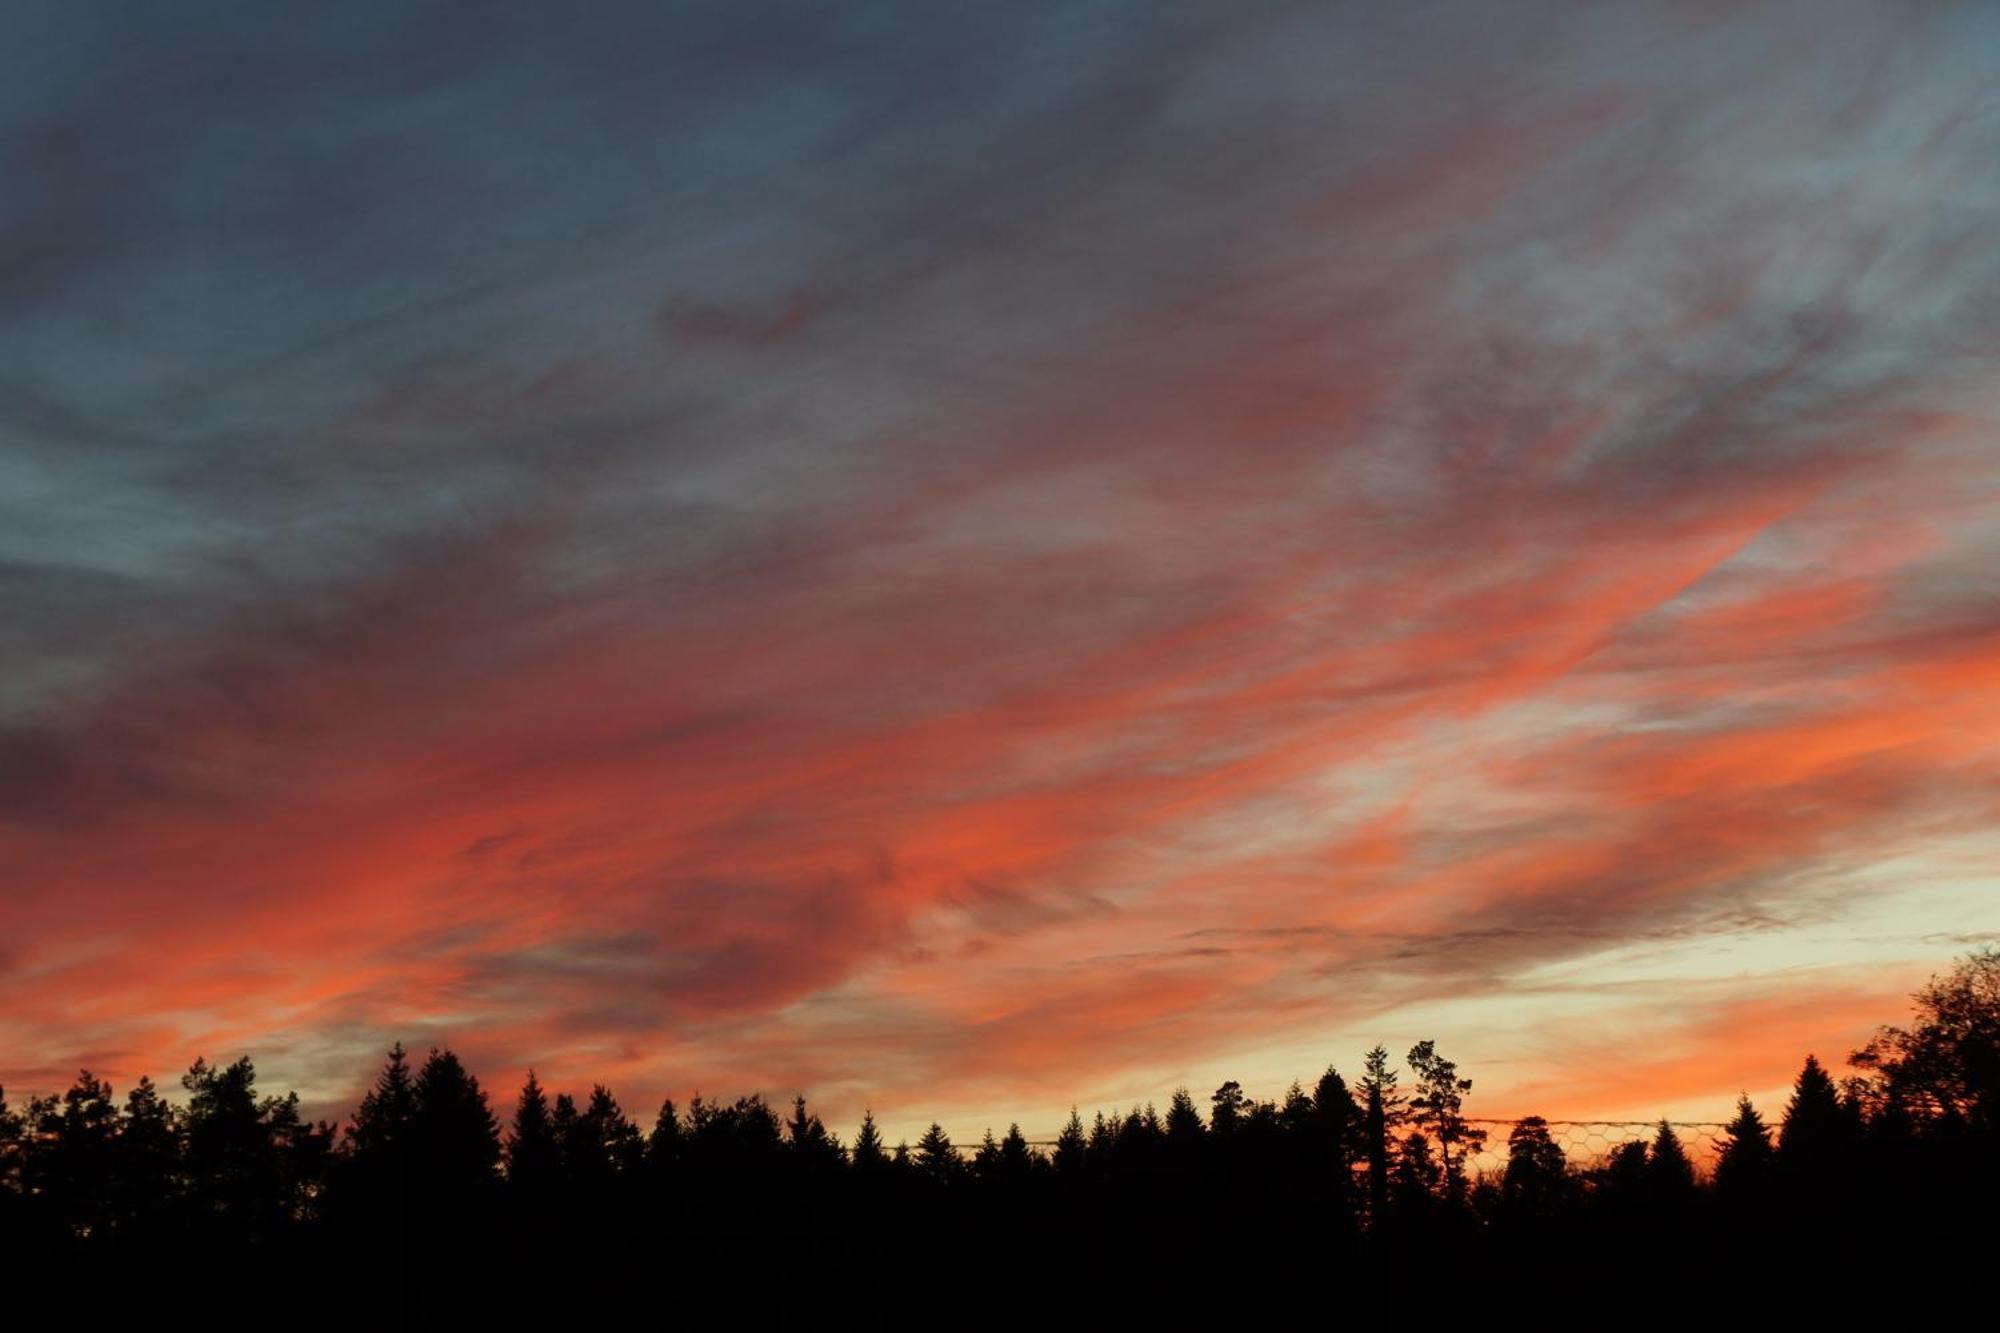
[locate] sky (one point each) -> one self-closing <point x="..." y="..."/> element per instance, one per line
<point x="966" y="560"/>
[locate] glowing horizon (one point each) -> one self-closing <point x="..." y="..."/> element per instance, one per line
<point x="973" y="566"/>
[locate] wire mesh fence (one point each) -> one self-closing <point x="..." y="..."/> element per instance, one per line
<point x="1590" y="1143"/>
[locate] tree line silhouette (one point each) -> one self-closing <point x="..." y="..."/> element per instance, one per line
<point x="742" y="1205"/>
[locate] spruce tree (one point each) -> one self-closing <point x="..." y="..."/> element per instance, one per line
<point x="808" y="1141"/>
<point x="1333" y="1126"/>
<point x="986" y="1159"/>
<point x="453" y="1134"/>
<point x="1183" y="1125"/>
<point x="667" y="1143"/>
<point x="1072" y="1148"/>
<point x="937" y="1159"/>
<point x="1815" y="1127"/>
<point x="1669" y="1173"/>
<point x="381" y="1124"/>
<point x="601" y="1144"/>
<point x="1383" y="1114"/>
<point x="1296" y="1110"/>
<point x="1744" y="1164"/>
<point x="1418" y="1180"/>
<point x="533" y="1155"/>
<point x="867" y="1154"/>
<point x="1017" y="1159"/>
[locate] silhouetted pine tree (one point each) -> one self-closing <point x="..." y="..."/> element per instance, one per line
<point x="231" y="1165"/>
<point x="1184" y="1127"/>
<point x="1815" y="1127"/>
<point x="1419" y="1182"/>
<point x="1017" y="1159"/>
<point x="1072" y="1148"/>
<point x="16" y="1229"/>
<point x="1295" y="1110"/>
<point x="937" y="1159"/>
<point x="1335" y="1116"/>
<point x="454" y="1137"/>
<point x="811" y="1146"/>
<point x="1227" y="1108"/>
<point x="600" y="1144"/>
<point x="867" y="1155"/>
<point x="534" y="1157"/>
<point x="148" y="1156"/>
<point x="381" y="1125"/>
<point x="1621" y="1181"/>
<point x="1743" y="1167"/>
<point x="1382" y="1115"/>
<point x="81" y="1151"/>
<point x="1535" y="1183"/>
<point x="667" y="1143"/>
<point x="1669" y="1173"/>
<point x="563" y="1116"/>
<point x="11" y="1131"/>
<point x="986" y="1159"/>
<point x="1333" y="1131"/>
<point x="36" y="1127"/>
<point x="1103" y="1141"/>
<point x="1437" y="1107"/>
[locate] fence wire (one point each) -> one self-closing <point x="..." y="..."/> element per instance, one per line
<point x="1590" y="1143"/>
<point x="1587" y="1144"/>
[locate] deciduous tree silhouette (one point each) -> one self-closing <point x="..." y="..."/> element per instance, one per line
<point x="1945" y="1067"/>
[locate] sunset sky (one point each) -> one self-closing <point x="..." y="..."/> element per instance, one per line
<point x="968" y="558"/>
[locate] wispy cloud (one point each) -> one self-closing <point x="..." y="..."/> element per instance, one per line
<point x="971" y="566"/>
